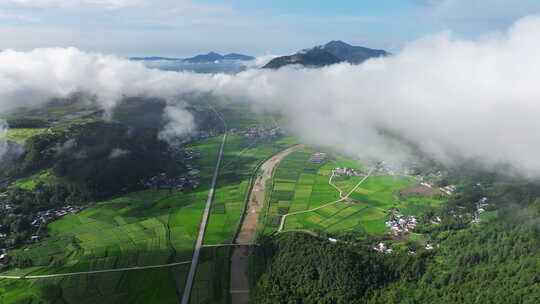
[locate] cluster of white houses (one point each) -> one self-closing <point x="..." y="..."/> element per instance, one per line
<point x="318" y="157"/>
<point x="382" y="248"/>
<point x="480" y="205"/>
<point x="257" y="132"/>
<point x="197" y="135"/>
<point x="449" y="190"/>
<point x="179" y="183"/>
<point x="38" y="220"/>
<point x="346" y="172"/>
<point x="385" y="168"/>
<point x="43" y="217"/>
<point x="3" y="202"/>
<point x="3" y="256"/>
<point x="400" y="224"/>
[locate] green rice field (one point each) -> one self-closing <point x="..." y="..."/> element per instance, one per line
<point x="150" y="227"/>
<point x="298" y="185"/>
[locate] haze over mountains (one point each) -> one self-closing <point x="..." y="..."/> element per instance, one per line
<point x="333" y="52"/>
<point x="211" y="57"/>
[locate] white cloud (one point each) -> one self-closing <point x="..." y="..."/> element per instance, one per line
<point x="260" y="61"/>
<point x="3" y="140"/>
<point x="117" y="152"/>
<point x="17" y="17"/>
<point x="452" y="98"/>
<point x="72" y="3"/>
<point x="481" y="15"/>
<point x="179" y="123"/>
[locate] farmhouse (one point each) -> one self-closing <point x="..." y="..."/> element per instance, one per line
<point x="399" y="224"/>
<point x="318" y="157"/>
<point x="480" y="206"/>
<point x="448" y="189"/>
<point x="3" y="257"/>
<point x="256" y="132"/>
<point x="381" y="247"/>
<point x="346" y="172"/>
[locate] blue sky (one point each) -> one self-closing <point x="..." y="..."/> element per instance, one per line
<point x="186" y="27"/>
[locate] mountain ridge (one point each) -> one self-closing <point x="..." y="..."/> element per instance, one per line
<point x="335" y="51"/>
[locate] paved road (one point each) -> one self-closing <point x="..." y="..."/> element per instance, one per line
<point x="202" y="228"/>
<point x="92" y="272"/>
<point x="227" y="245"/>
<point x="283" y="218"/>
<point x="248" y="229"/>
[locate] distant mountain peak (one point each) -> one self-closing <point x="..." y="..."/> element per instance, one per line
<point x="337" y="43"/>
<point x="333" y="52"/>
<point x="213" y="56"/>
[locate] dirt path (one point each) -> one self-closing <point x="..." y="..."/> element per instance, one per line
<point x="343" y="198"/>
<point x="248" y="228"/>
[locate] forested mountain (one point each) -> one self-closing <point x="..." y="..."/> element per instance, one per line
<point x="212" y="56"/>
<point x="330" y="53"/>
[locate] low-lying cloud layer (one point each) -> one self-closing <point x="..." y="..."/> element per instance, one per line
<point x="452" y="98"/>
<point x="34" y="78"/>
<point x="3" y="142"/>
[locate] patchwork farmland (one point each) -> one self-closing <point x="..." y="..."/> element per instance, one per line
<point x="300" y="185"/>
<point x="150" y="227"/>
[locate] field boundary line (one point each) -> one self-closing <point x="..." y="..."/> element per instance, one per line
<point x="56" y="275"/>
<point x="284" y="217"/>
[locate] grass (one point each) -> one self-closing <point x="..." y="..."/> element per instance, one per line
<point x="21" y="135"/>
<point x="31" y="182"/>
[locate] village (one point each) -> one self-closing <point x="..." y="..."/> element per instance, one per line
<point x="318" y="158"/>
<point x="257" y="132"/>
<point x="401" y="224"/>
<point x="37" y="221"/>
<point x="346" y="172"/>
<point x="480" y="206"/>
<point x="179" y="183"/>
<point x="185" y="140"/>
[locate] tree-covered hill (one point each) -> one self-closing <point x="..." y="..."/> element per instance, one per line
<point x="496" y="261"/>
